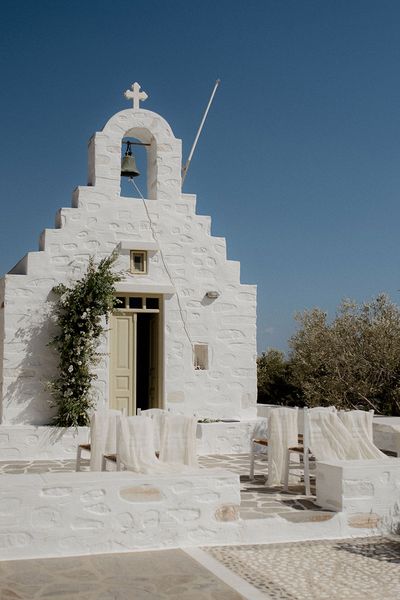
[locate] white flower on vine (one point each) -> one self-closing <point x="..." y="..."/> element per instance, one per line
<point x="70" y="368"/>
<point x="84" y="315"/>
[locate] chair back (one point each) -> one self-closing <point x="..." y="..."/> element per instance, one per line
<point x="103" y="435"/>
<point x="358" y="422"/>
<point x="157" y="416"/>
<point x="316" y="409"/>
<point x="282" y="433"/>
<point x="135" y="444"/>
<point x="178" y="440"/>
<point x="328" y="438"/>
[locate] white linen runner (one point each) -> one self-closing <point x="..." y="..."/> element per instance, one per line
<point x="135" y="446"/>
<point x="329" y="439"/>
<point x="359" y="425"/>
<point x="103" y="432"/>
<point x="282" y="433"/>
<point x="178" y="440"/>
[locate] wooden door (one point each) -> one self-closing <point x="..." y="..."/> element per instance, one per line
<point x="122" y="363"/>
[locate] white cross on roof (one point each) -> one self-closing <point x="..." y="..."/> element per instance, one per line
<point x="136" y="95"/>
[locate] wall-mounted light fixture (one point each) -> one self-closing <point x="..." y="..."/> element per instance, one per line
<point x="212" y="294"/>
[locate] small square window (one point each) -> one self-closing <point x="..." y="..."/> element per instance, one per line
<point x="138" y="261"/>
<point x="152" y="303"/>
<point x="135" y="302"/>
<point x="200" y="357"/>
<point x="120" y="302"/>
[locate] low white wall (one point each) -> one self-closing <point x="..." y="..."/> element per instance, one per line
<point x="66" y="514"/>
<point x="368" y="491"/>
<point x="225" y="438"/>
<point x="27" y="442"/>
<point x="387" y="433"/>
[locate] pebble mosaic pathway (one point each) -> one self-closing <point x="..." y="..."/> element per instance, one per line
<point x="356" y="569"/>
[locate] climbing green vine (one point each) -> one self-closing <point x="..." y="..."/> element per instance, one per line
<point x="80" y="313"/>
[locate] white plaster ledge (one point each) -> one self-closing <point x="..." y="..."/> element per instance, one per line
<point x="138" y="245"/>
<point x="145" y="288"/>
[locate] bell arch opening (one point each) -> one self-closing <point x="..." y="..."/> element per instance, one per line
<point x="134" y="167"/>
<point x="143" y="148"/>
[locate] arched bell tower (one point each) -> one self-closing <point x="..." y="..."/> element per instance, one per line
<point x="164" y="154"/>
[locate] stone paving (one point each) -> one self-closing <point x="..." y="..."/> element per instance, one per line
<point x="356" y="569"/>
<point x="257" y="500"/>
<point x="153" y="575"/>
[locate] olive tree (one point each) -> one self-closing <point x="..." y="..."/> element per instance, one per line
<point x="353" y="361"/>
<point x="274" y="382"/>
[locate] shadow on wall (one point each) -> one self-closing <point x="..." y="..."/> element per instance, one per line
<point x="32" y="363"/>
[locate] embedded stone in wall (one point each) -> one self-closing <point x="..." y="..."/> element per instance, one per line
<point x="364" y="520"/>
<point x="144" y="493"/>
<point x="227" y="512"/>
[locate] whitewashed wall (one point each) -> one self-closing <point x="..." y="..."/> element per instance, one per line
<point x="66" y="514"/>
<point x="97" y="222"/>
<point x="368" y="491"/>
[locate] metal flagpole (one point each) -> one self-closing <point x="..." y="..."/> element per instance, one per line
<point x="187" y="165"/>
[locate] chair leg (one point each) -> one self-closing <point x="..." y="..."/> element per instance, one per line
<point x="78" y="459"/>
<point x="103" y="463"/>
<point x="118" y="463"/>
<point x="307" y="483"/>
<point x="251" y="475"/>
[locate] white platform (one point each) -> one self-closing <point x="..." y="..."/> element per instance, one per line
<point x="387" y="433"/>
<point x="366" y="490"/>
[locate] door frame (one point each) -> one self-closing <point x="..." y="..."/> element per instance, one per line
<point x="126" y="311"/>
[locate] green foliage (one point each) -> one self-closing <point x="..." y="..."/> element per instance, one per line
<point x="274" y="380"/>
<point x="352" y="362"/>
<point x="80" y="314"/>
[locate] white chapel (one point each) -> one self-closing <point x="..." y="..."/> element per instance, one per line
<point x="184" y="334"/>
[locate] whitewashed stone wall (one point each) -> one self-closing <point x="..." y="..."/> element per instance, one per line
<point x="387" y="433"/>
<point x="66" y="514"/>
<point x="99" y="220"/>
<point x="367" y="491"/>
<point x="29" y="442"/>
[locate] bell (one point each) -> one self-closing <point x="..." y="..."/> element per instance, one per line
<point x="128" y="164"/>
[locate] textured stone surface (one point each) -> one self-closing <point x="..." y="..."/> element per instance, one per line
<point x="25" y="443"/>
<point x="194" y="262"/>
<point x="354" y="569"/>
<point x="44" y="513"/>
<point x="153" y="575"/>
<point x="366" y="489"/>
<point x="227" y="513"/>
<point x="364" y="520"/>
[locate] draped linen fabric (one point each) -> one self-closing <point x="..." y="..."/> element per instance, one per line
<point x="178" y="440"/>
<point x="329" y="439"/>
<point x="359" y="425"/>
<point x="135" y="446"/>
<point x="103" y="436"/>
<point x="282" y="433"/>
<point x="156" y="415"/>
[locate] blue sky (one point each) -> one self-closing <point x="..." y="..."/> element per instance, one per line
<point x="299" y="162"/>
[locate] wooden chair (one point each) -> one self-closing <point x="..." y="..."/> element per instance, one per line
<point x="280" y="427"/>
<point x="306" y="460"/>
<point x="89" y="446"/>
